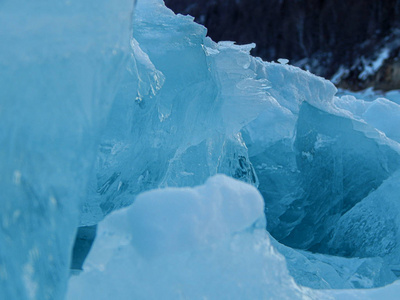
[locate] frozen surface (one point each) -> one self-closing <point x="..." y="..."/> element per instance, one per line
<point x="371" y="228"/>
<point x="57" y="82"/>
<point x="178" y="115"/>
<point x="379" y="110"/>
<point x="221" y="252"/>
<point x="320" y="271"/>
<point x="390" y="292"/>
<point x="370" y="94"/>
<point x="315" y="162"/>
<point x="340" y="161"/>
<point x="94" y="113"/>
<point x="310" y="178"/>
<point x="328" y="158"/>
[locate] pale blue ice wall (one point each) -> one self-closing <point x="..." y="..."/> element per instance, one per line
<point x="178" y="112"/>
<point x="60" y="62"/>
<point x="168" y="109"/>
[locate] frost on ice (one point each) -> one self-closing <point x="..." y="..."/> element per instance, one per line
<point x="112" y="111"/>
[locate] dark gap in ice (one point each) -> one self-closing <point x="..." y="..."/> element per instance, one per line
<point x="83" y="243"/>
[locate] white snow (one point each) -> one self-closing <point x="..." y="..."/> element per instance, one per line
<point x="371" y="67"/>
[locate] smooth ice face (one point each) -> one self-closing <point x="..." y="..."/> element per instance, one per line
<point x="371" y="228"/>
<point x="288" y="87"/>
<point x="60" y="63"/>
<point x="340" y="161"/>
<point x="178" y="114"/>
<point x="208" y="241"/>
<point x="327" y="161"/>
<point x="316" y="157"/>
<point x="270" y="136"/>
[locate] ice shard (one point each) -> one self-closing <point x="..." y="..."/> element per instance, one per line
<point x="178" y="115"/>
<point x="371" y="228"/>
<point x="340" y="161"/>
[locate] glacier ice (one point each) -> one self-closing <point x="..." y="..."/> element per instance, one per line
<point x="99" y="110"/>
<point x="371" y="227"/>
<point x="388" y="292"/>
<point x="183" y="125"/>
<point x="329" y="161"/>
<point x="321" y="271"/>
<point x="144" y="251"/>
<point x="57" y="82"/>
<point x="203" y="242"/>
<point x="338" y="164"/>
<point x="373" y="111"/>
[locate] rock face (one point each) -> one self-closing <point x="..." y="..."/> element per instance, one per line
<point x="318" y="35"/>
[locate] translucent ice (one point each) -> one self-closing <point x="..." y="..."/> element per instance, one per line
<point x="381" y="113"/>
<point x="59" y="68"/>
<point x="321" y="271"/>
<point x="89" y="121"/>
<point x="327" y="156"/>
<point x="371" y="227"/>
<point x="316" y="157"/>
<point x="340" y="161"/>
<point x="203" y="242"/>
<point x="178" y="115"/>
